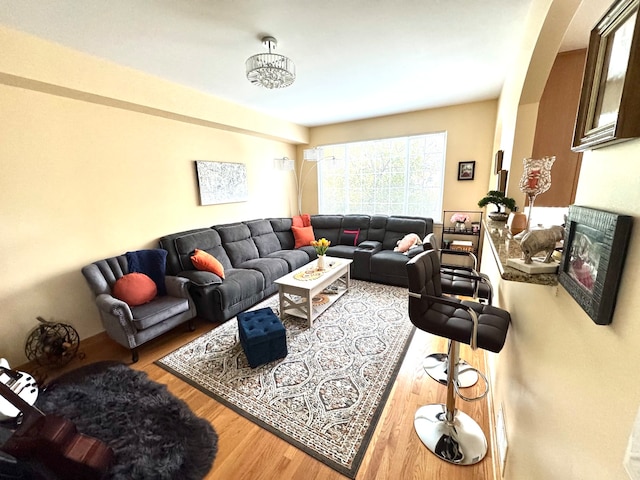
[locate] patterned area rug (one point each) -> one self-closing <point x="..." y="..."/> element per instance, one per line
<point x="326" y="396"/>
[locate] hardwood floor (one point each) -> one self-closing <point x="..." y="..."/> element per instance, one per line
<point x="246" y="451"/>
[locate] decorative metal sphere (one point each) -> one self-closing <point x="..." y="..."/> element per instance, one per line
<point x="52" y="344"/>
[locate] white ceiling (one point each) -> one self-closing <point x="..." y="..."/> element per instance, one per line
<point x="354" y="58"/>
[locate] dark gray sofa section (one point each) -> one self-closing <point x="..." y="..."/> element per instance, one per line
<point x="257" y="252"/>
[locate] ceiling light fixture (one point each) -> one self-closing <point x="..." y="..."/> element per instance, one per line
<point x="270" y="70"/>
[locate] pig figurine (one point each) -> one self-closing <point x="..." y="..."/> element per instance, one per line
<point x="538" y="240"/>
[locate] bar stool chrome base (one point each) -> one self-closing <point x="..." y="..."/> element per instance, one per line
<point x="436" y="367"/>
<point x="460" y="441"/>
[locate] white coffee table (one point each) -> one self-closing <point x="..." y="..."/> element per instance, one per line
<point x="298" y="289"/>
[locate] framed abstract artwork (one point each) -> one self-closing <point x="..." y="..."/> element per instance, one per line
<point x="595" y="247"/>
<point x="222" y="182"/>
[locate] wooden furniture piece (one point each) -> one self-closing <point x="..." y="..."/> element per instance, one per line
<point x="298" y="289"/>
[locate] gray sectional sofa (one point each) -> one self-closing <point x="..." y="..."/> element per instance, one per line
<point x="255" y="253"/>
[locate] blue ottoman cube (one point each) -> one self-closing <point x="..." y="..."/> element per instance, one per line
<point x="262" y="336"/>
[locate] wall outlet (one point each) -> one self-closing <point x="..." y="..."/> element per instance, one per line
<point x="631" y="461"/>
<point x="501" y="437"/>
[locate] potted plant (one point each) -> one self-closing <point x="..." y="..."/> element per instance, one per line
<point x="498" y="199"/>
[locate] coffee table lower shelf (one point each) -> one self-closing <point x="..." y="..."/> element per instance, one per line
<point x="297" y="305"/>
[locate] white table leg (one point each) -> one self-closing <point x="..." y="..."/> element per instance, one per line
<point x="281" y="299"/>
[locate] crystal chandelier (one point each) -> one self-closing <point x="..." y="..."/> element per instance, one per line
<point x="270" y="70"/>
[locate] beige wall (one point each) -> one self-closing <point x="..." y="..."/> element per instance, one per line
<point x="567" y="385"/>
<point x="84" y="178"/>
<point x="469" y="130"/>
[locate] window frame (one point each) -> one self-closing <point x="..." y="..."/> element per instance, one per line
<point x="327" y="153"/>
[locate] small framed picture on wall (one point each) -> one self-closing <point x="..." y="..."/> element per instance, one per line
<point x="498" y="161"/>
<point x="466" y="170"/>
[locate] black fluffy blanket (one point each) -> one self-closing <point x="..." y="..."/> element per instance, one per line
<point x="154" y="434"/>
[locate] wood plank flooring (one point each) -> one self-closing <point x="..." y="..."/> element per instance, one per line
<point x="248" y="452"/>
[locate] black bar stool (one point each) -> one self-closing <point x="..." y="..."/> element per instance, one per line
<point x="465" y="281"/>
<point x="450" y="434"/>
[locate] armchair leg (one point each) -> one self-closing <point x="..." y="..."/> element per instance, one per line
<point x="134" y="355"/>
<point x="192" y="325"/>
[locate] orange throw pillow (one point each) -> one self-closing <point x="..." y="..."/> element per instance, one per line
<point x="303" y="235"/>
<point x="135" y="289"/>
<point x="207" y="262"/>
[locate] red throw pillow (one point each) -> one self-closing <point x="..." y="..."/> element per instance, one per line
<point x="207" y="262"/>
<point x="303" y="235"/>
<point x="135" y="289"/>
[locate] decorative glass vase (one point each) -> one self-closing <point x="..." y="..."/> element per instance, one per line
<point x="460" y="226"/>
<point x="536" y="179"/>
<point x="321" y="259"/>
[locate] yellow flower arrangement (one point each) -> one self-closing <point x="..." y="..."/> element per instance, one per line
<point x="321" y="246"/>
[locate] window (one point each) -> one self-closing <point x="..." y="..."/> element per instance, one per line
<point x="392" y="176"/>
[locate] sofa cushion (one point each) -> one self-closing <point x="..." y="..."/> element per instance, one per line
<point x="168" y="243"/>
<point x="377" y="227"/>
<point x="357" y="222"/>
<point x="327" y="226"/>
<point x="295" y="258"/>
<point x="161" y="309"/>
<point x="270" y="268"/>
<point x="237" y="241"/>
<point x="390" y="267"/>
<point x="239" y="285"/>
<point x="206" y="240"/>
<point x="282" y="229"/>
<point x="264" y="237"/>
<point x="207" y="262"/>
<point x="398" y="227"/>
<point x="349" y="237"/>
<point x="135" y="289"/>
<point x="303" y="235"/>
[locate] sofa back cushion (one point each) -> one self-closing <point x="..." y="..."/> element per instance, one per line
<point x="101" y="275"/>
<point x="398" y="227"/>
<point x="377" y="227"/>
<point x="282" y="229"/>
<point x="208" y="241"/>
<point x="168" y="243"/>
<point x="351" y="224"/>
<point x="264" y="237"/>
<point x="237" y="241"/>
<point x="327" y="226"/>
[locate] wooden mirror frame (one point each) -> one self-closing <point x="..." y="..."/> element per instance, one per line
<point x="625" y="121"/>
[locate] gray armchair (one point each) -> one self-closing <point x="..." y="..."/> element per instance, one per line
<point x="133" y="326"/>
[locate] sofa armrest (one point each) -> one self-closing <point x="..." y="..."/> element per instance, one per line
<point x="361" y="267"/>
<point x="177" y="286"/>
<point x="200" y="278"/>
<point x="370" y="245"/>
<point x="117" y="320"/>
<point x="413" y="251"/>
<point x="112" y="306"/>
